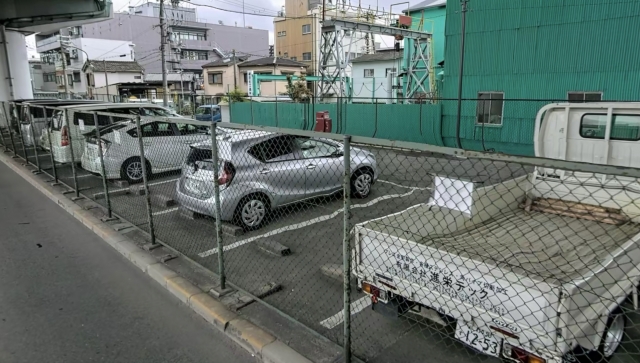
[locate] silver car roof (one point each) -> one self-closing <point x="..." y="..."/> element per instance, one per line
<point x="112" y="105"/>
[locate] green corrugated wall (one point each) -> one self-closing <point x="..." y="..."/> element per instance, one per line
<point x="415" y="123"/>
<point x="537" y="49"/>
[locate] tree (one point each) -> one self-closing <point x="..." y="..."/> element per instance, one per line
<point x="235" y="96"/>
<point x="298" y="91"/>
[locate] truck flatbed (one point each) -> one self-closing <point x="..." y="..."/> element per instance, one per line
<point x="542" y="246"/>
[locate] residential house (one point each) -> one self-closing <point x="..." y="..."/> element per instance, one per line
<point x="374" y="75"/>
<point x="221" y="77"/>
<point x="104" y="77"/>
<point x="575" y="50"/>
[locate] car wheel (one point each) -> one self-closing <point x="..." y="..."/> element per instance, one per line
<point x="609" y="343"/>
<point x="131" y="170"/>
<point x="252" y="211"/>
<point x="361" y="183"/>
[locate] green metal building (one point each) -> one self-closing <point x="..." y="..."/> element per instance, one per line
<point x="535" y="49"/>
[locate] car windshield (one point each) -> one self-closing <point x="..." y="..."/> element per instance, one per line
<point x="203" y="111"/>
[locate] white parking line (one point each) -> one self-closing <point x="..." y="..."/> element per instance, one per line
<point x="164" y="181"/>
<point x="87" y="175"/>
<point x="303" y="224"/>
<point x="111" y="191"/>
<point x="166" y="211"/>
<point x="402" y="186"/>
<point x="356" y="307"/>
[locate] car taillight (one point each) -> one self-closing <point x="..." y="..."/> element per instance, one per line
<point x="227" y="174"/>
<point x="371" y="290"/>
<point x="64" y="138"/>
<point x="520" y="355"/>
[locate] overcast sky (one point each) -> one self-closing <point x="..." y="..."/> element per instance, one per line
<point x="265" y="8"/>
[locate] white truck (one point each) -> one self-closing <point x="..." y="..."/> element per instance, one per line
<point x="536" y="269"/>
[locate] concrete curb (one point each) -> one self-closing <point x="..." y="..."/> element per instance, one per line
<point x="251" y="337"/>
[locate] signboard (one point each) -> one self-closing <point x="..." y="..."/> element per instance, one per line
<point x="250" y="83"/>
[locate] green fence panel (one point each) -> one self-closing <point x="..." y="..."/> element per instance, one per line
<point x="399" y="122"/>
<point x="240" y="112"/>
<point x="360" y="119"/>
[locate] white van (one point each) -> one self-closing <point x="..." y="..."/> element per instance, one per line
<point x="81" y="121"/>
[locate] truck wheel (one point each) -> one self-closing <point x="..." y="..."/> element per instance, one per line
<point x="610" y="342"/>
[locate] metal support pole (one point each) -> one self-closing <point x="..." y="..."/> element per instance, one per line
<point x="53" y="159"/>
<point x="33" y="140"/>
<point x="143" y="162"/>
<point x="346" y="249"/>
<point x="7" y="60"/>
<point x="461" y="71"/>
<point x="106" y="79"/>
<point x="6" y="120"/>
<point x="73" y="157"/>
<point x="105" y="185"/>
<point x="218" y="212"/>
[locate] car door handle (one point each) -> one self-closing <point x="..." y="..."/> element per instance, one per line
<point x="311" y="166"/>
<point x="265" y="171"/>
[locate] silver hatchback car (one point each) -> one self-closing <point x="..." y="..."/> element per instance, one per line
<point x="260" y="171"/>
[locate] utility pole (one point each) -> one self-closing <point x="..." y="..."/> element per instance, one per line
<point x="64" y="73"/>
<point x="163" y="41"/>
<point x="244" y="22"/>
<point x="106" y="79"/>
<point x="235" y="82"/>
<point x="463" y="11"/>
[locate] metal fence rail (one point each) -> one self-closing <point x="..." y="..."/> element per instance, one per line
<point x="398" y="251"/>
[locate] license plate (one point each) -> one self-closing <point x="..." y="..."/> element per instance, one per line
<point x="478" y="339"/>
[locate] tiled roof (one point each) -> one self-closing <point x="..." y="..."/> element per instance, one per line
<point x="114" y="66"/>
<point x="270" y="61"/>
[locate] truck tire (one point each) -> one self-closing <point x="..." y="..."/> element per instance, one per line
<point x="609" y="343"/>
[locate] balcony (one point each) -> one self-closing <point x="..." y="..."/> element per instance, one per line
<point x="48" y="44"/>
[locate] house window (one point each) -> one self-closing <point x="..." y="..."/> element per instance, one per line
<point x="306" y="56"/>
<point x="189" y="35"/>
<point x="387" y="70"/>
<point x="490" y="107"/>
<point x="215" y="78"/>
<point x="306" y="29"/>
<point x="76" y="76"/>
<point x="368" y="73"/>
<point x="194" y="55"/>
<point x="286" y="55"/>
<point x="244" y="77"/>
<point x="282" y="33"/>
<point x="584" y="96"/>
<point x="49" y="77"/>
<point x="137" y="77"/>
<point x="69" y="78"/>
<point x="294" y="58"/>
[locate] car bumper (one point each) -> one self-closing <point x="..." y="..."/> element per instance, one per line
<point x="204" y="206"/>
<point x="92" y="165"/>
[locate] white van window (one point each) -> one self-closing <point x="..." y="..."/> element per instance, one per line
<point x="625" y="128"/>
<point x="593" y="126"/>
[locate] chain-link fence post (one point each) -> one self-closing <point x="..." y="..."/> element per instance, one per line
<point x="346" y="248"/>
<point x="105" y="185"/>
<point x="73" y="157"/>
<point x="218" y="211"/>
<point x="33" y="140"/>
<point x="19" y="127"/>
<point x="53" y="159"/>
<point x="6" y="121"/>
<point x="8" y="118"/>
<point x="145" y="182"/>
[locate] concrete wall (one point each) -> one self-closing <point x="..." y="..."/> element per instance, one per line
<point x="367" y="88"/>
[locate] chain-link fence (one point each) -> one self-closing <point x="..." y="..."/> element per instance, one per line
<point x="450" y="255"/>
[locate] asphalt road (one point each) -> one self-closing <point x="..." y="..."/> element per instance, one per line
<point x="66" y="296"/>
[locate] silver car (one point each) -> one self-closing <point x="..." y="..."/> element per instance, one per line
<point x="260" y="171"/>
<point x="166" y="146"/>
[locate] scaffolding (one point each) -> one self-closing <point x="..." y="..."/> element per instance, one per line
<point x="334" y="56"/>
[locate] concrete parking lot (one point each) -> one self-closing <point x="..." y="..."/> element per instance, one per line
<point x="312" y="230"/>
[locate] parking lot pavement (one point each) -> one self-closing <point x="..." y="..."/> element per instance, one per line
<point x="312" y="231"/>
